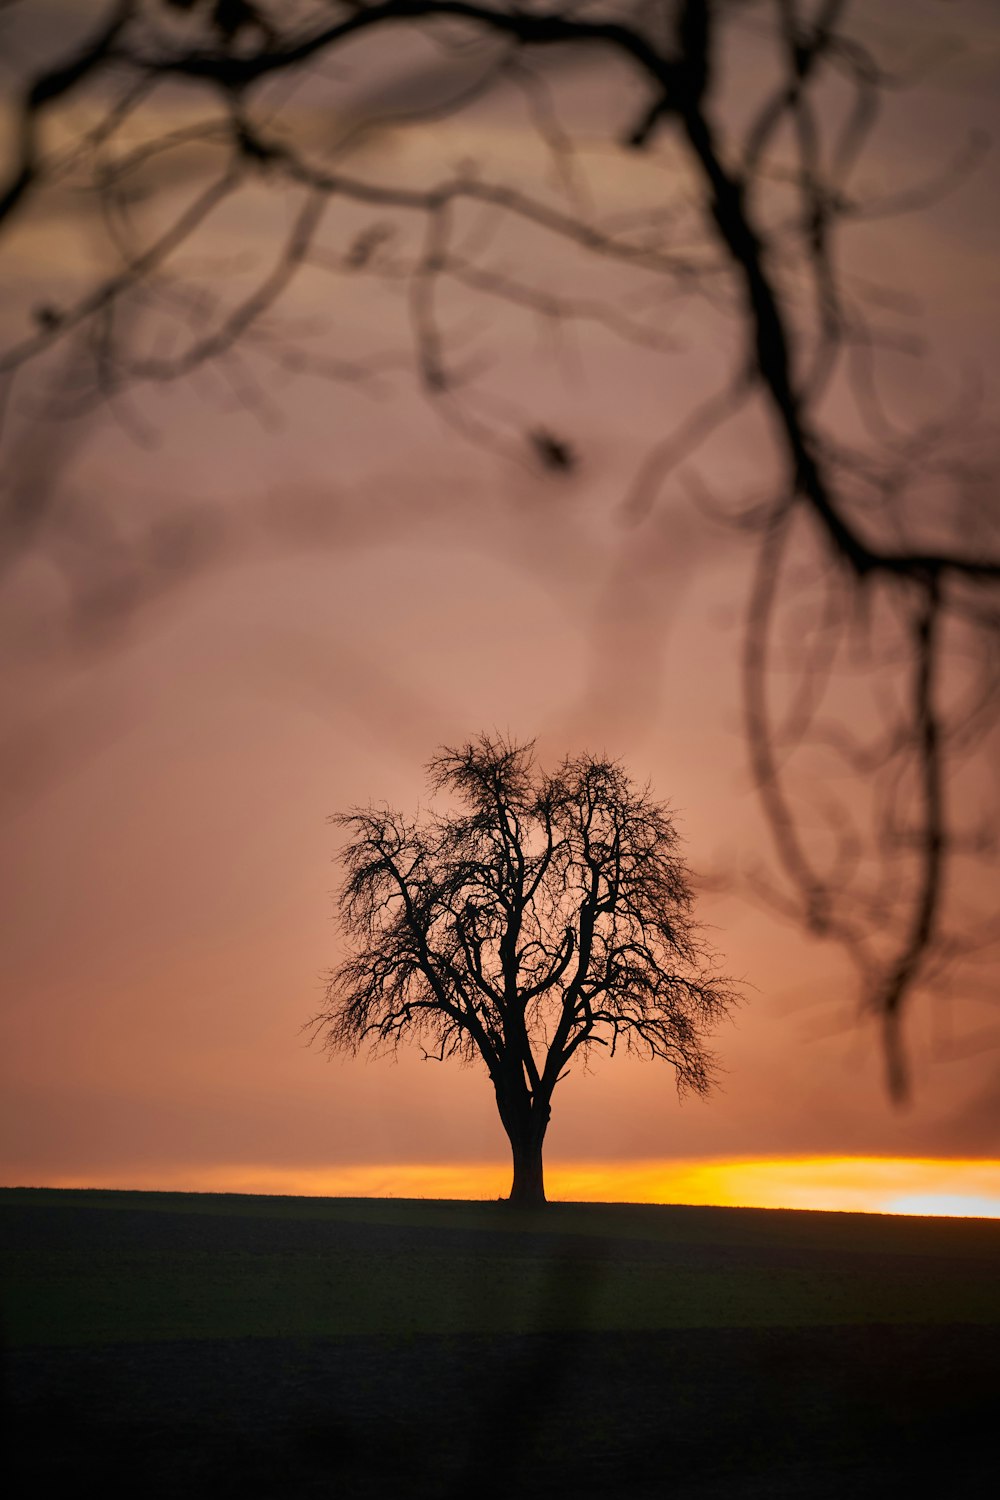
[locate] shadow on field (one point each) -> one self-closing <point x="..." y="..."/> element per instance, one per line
<point x="715" y="1412"/>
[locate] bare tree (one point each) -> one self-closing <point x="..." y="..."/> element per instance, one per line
<point x="882" y="527"/>
<point x="544" y="915"/>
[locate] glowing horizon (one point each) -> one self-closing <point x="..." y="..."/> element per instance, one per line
<point x="909" y="1186"/>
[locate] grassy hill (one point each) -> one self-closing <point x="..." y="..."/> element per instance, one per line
<point x="220" y="1344"/>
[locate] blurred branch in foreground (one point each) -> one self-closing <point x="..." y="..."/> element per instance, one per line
<point x="872" y="625"/>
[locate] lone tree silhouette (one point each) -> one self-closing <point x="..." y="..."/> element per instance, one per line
<point x="547" y="914"/>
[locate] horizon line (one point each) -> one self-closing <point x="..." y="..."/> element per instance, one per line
<point x="918" y="1186"/>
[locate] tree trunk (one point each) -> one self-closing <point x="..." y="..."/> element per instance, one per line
<point x="528" y="1187"/>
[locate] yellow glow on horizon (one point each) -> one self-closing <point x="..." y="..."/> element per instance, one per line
<point x="894" y="1185"/>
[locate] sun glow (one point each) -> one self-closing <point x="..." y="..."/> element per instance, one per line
<point x="893" y="1185"/>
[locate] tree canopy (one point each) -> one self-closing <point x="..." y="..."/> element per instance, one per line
<point x="545" y="914"/>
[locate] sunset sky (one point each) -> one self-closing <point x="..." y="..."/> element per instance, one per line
<point x="377" y="587"/>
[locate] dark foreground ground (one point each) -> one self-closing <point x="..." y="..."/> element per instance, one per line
<point x="167" y="1345"/>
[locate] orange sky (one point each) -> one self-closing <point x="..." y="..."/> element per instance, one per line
<point x="382" y="588"/>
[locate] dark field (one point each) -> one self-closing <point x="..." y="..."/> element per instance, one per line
<point x="169" y="1344"/>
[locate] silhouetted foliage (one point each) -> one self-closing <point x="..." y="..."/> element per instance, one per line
<point x="545" y="915"/>
<point x="883" y="529"/>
